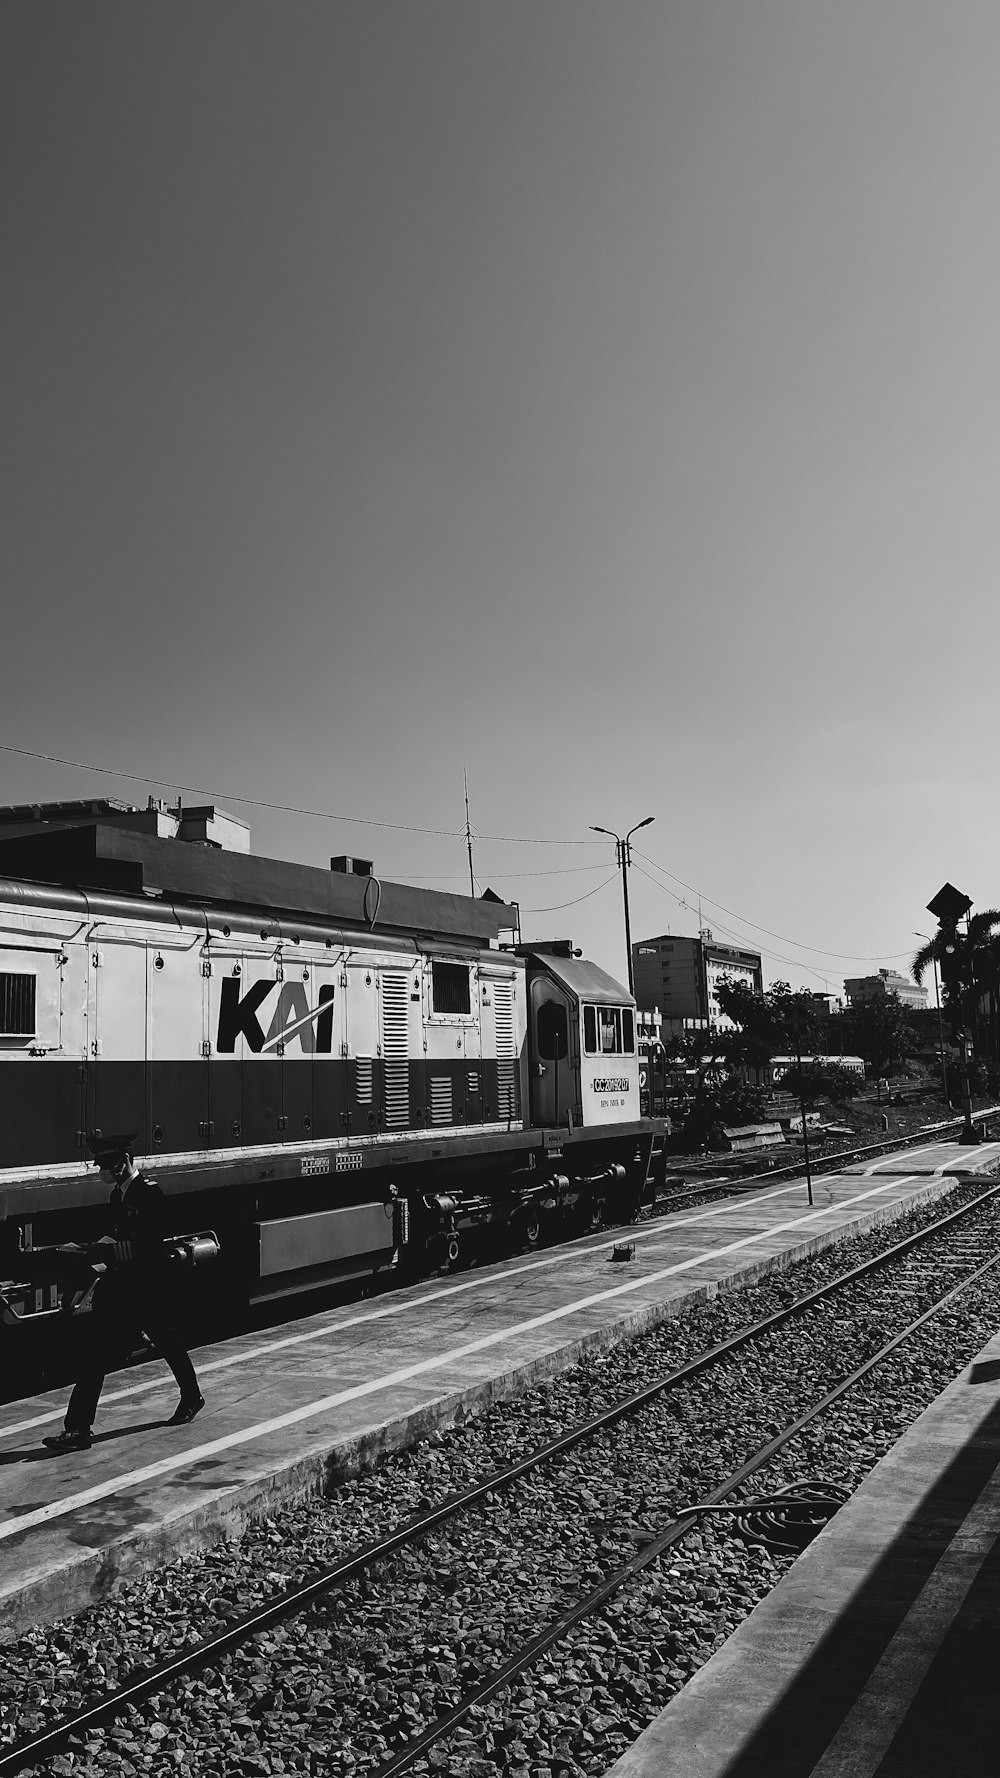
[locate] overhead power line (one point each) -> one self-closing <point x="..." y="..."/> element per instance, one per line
<point x="572" y="904"/>
<point x="841" y="956"/>
<point x="776" y="956"/>
<point x="253" y="802"/>
<point x="449" y="833"/>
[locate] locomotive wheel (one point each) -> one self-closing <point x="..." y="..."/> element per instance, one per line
<point x="531" y="1234"/>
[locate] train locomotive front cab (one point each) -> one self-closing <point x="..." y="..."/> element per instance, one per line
<point x="584" y="1060"/>
<point x="583" y="1079"/>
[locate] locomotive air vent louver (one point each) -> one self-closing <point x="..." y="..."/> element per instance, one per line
<point x="503" y="1014"/>
<point x="442" y="1108"/>
<point x="363" y="1076"/>
<point x="506" y="1090"/>
<point x="396" y="1071"/>
<point x="472" y="1083"/>
<point x="17" y="1004"/>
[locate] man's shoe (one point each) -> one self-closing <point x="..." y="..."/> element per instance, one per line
<point x="77" y="1440"/>
<point x="185" y="1411"/>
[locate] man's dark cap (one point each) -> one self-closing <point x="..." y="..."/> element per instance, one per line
<point x="111" y="1151"/>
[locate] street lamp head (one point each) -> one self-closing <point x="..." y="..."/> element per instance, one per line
<point x="607" y="830"/>
<point x="637" y="826"/>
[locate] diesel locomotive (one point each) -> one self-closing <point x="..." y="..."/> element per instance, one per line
<point x="335" y="1076"/>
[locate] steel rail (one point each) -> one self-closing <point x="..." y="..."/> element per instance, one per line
<point x="48" y="1742"/>
<point x="678" y="1528"/>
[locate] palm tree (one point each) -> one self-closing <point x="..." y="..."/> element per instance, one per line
<point x="977" y="970"/>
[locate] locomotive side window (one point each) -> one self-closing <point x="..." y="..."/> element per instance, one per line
<point x="450" y="985"/>
<point x="608" y="1031"/>
<point x="17" y="1005"/>
<point x="553" y="1031"/>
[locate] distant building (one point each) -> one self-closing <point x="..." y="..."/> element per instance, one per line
<point x="205" y="824"/>
<point x="826" y="1005"/>
<point x="201" y="825"/>
<point x="681" y="976"/>
<point x="860" y="988"/>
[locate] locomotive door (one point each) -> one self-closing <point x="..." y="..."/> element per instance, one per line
<point x="225" y="1069"/>
<point x="329" y="1070"/>
<point x="116" y="1070"/>
<point x="364" y="1065"/>
<point x="175" y="1027"/>
<point x="40" y="1082"/>
<point x="554" y="1091"/>
<point x="256" y="1044"/>
<point x="297" y="1047"/>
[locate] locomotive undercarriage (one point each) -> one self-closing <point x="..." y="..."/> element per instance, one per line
<point x="286" y="1235"/>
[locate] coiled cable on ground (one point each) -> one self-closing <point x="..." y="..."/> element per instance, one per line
<point x="786" y="1521"/>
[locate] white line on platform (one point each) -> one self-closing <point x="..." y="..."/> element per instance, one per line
<point x="985" y="1151"/>
<point x="908" y="1154"/>
<point x="374" y="1385"/>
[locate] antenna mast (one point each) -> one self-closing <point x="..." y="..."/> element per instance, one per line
<point x="468" y="832"/>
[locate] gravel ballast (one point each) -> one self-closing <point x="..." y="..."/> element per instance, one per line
<point x="334" y="1690"/>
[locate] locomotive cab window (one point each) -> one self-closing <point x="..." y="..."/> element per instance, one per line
<point x="450" y="988"/>
<point x="17" y="1005"/>
<point x="609" y="1031"/>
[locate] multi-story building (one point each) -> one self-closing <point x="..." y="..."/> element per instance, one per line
<point x="165" y="821"/>
<point x="860" y="988"/>
<point x="681" y="976"/>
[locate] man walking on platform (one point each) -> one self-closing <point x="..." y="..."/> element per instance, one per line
<point x="136" y="1294"/>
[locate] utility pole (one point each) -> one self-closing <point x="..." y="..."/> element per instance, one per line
<point x="802" y="1103"/>
<point x="623" y="857"/>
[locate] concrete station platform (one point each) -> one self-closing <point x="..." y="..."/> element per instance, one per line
<point x="876" y="1655"/>
<point x="291" y="1409"/>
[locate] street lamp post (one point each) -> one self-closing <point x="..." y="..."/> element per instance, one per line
<point x="937" y="1003"/>
<point x="623" y="856"/>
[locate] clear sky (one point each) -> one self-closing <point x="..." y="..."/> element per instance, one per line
<point x="601" y="398"/>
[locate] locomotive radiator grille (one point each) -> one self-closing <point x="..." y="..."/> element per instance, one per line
<point x="395" y="1011"/>
<point x="503" y="1013"/>
<point x="17" y="1005"/>
<point x="442" y="1099"/>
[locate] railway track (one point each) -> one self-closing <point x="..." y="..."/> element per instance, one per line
<point x="832" y="1161"/>
<point x="665" y="1436"/>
